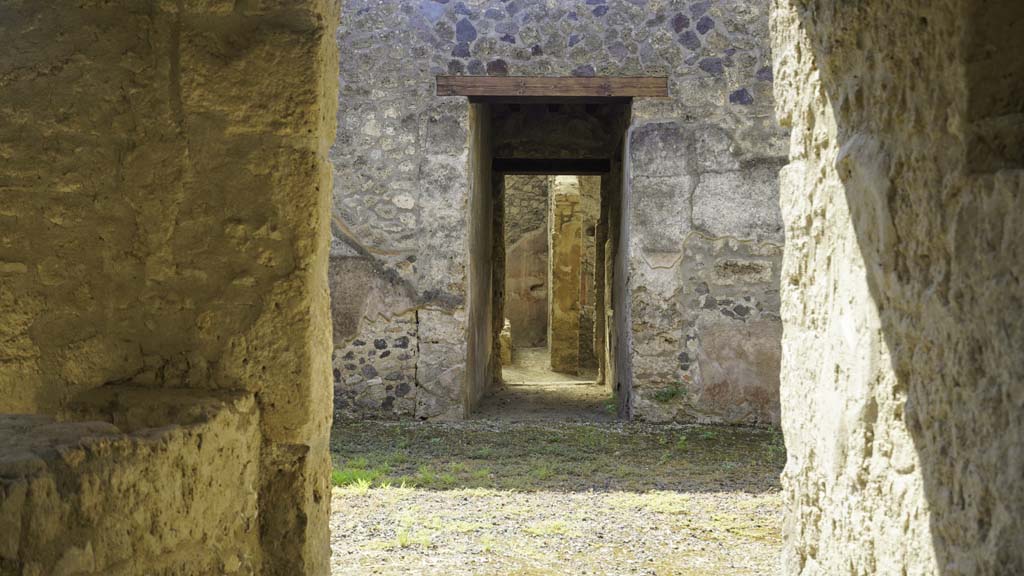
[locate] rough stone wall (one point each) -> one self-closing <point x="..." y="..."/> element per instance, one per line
<point x="902" y="370"/>
<point x="103" y="494"/>
<point x="526" y="270"/>
<point x="391" y="350"/>
<point x="705" y="240"/>
<point x="164" y="202"/>
<point x="526" y="206"/>
<point x="401" y="180"/>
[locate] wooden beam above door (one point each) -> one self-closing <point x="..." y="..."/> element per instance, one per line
<point x="554" y="87"/>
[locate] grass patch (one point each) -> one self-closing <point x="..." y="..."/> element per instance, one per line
<point x="669" y="394"/>
<point x="358" y="472"/>
<point x="487" y="543"/>
<point x="427" y="477"/>
<point x="659" y="502"/>
<point x="484" y="453"/>
<point x="464" y="527"/>
<point x="531" y="499"/>
<point x="406" y="538"/>
<point x="542" y="472"/>
<point x="561" y="457"/>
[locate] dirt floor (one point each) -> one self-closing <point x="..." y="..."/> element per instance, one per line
<point x="497" y="497"/>
<point x="532" y="391"/>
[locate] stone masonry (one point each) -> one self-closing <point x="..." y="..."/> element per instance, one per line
<point x="164" y="322"/>
<point x="590" y="213"/>
<point x="902" y="396"/>
<point x="166" y="216"/>
<point x="705" y="235"/>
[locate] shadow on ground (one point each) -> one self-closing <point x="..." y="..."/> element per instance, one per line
<point x="557" y="456"/>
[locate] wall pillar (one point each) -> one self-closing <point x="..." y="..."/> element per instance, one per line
<point x="590" y="211"/>
<point x="565" y="262"/>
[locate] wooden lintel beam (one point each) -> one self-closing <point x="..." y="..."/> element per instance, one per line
<point x="553" y="166"/>
<point x="544" y="86"/>
<point x="548" y="100"/>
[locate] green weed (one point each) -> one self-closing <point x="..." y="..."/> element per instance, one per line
<point x="666" y="395"/>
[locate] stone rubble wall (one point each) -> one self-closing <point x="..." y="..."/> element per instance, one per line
<point x="705" y="240"/>
<point x="392" y="351"/>
<point x="901" y="287"/>
<point x="164" y="207"/>
<point x="402" y="182"/>
<point x="526" y="206"/>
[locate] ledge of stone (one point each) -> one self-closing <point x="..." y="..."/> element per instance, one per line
<point x="129" y="478"/>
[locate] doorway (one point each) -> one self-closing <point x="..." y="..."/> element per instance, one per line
<point x="548" y="346"/>
<point x="546" y="338"/>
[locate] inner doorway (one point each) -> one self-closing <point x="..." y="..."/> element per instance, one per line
<point x="550" y="250"/>
<point x="547" y="336"/>
<point x="549" y="349"/>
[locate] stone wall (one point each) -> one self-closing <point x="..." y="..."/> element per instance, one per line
<point x="164" y="202"/>
<point x="401" y="193"/>
<point x="526" y="259"/>
<point x="901" y="282"/>
<point x="706" y="241"/>
<point x="526" y="206"/>
<point x="575" y="207"/>
<point x="103" y="494"/>
<point x="486" y="318"/>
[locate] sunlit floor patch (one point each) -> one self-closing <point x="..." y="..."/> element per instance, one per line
<point x="533" y="391"/>
<point x="477" y="531"/>
<point x="533" y="366"/>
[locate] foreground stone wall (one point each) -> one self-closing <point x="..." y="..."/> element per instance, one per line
<point x="401" y="180"/>
<point x="103" y="495"/>
<point x="902" y="370"/>
<point x="164" y="208"/>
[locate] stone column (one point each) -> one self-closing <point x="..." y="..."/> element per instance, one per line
<point x="590" y="211"/>
<point x="564" y="258"/>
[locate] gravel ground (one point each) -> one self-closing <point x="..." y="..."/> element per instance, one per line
<point x="500" y="498"/>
